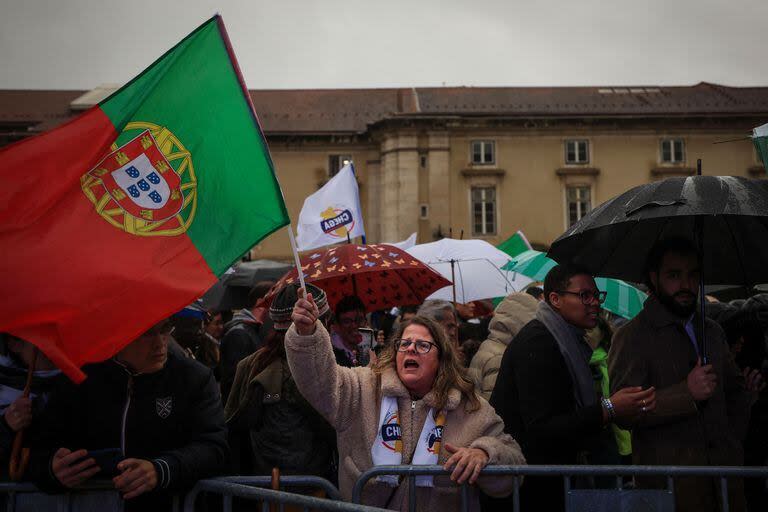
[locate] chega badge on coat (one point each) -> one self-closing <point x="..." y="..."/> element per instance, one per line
<point x="163" y="406"/>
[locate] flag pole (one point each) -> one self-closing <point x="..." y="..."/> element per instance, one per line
<point x="17" y="465"/>
<point x="453" y="281"/>
<point x="296" y="259"/>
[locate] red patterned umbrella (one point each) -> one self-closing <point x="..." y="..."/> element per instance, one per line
<point x="381" y="275"/>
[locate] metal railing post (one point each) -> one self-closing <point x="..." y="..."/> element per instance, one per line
<point x="515" y="494"/>
<point x="412" y="494"/>
<point x="724" y="493"/>
<point x="464" y="497"/>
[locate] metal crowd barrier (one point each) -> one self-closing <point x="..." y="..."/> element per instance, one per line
<point x="100" y="495"/>
<point x="576" y="499"/>
<point x="233" y="487"/>
<point x="286" y="481"/>
<point x="95" y="496"/>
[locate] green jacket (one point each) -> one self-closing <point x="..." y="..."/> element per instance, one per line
<point x="599" y="360"/>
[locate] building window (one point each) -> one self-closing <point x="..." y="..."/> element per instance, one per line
<point x="483" y="210"/>
<point x="576" y="152"/>
<point x="423" y="161"/>
<point x="336" y="162"/>
<point x="483" y="152"/>
<point x="672" y="151"/>
<point x="578" y="202"/>
<point x="423" y="211"/>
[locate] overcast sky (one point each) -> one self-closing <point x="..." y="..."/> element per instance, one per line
<point x="79" y="44"/>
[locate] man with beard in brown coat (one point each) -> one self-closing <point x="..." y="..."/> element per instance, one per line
<point x="702" y="410"/>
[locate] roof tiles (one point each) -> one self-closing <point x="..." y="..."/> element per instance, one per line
<point x="353" y="110"/>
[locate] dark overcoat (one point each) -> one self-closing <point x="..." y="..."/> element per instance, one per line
<point x="653" y="349"/>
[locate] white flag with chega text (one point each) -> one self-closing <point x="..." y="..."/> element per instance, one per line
<point x="331" y="213"/>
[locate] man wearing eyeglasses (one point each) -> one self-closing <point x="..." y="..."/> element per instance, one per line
<point x="545" y="391"/>
<point x="148" y="419"/>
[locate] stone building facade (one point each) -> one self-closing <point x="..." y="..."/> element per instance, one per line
<point x="474" y="162"/>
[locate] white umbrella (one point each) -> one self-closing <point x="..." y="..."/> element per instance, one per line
<point x="405" y="244"/>
<point x="474" y="267"/>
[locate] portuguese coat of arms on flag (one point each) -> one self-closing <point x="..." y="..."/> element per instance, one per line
<point x="129" y="212"/>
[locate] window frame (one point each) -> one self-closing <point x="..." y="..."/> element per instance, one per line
<point x="567" y="206"/>
<point x="483" y="143"/>
<point x="672" y="141"/>
<point x="340" y="159"/>
<point x="484" y="201"/>
<point x="588" y="156"/>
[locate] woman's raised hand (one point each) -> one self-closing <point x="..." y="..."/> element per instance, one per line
<point x="305" y="314"/>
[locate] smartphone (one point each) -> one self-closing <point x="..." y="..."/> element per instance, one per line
<point x="107" y="459"/>
<point x="365" y="346"/>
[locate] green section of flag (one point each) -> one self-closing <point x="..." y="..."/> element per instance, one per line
<point x="623" y="299"/>
<point x="760" y="140"/>
<point x="194" y="91"/>
<point x="515" y="244"/>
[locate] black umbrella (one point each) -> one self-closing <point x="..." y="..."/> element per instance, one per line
<point x="231" y="291"/>
<point x="726" y="216"/>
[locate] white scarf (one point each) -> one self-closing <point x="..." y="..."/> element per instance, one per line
<point x="387" y="448"/>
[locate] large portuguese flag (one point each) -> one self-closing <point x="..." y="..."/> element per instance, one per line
<point x="126" y="214"/>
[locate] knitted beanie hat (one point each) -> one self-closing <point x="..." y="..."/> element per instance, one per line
<point x="282" y="305"/>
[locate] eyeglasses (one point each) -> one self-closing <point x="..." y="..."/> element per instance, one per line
<point x="588" y="296"/>
<point x="354" y="320"/>
<point x="422" y="346"/>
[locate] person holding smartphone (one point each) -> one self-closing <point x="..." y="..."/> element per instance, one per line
<point x="149" y="419"/>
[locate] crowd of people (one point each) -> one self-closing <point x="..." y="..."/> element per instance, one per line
<point x="547" y="377"/>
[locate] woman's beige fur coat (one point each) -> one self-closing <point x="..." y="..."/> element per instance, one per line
<point x="349" y="398"/>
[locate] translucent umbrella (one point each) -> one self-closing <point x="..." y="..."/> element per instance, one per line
<point x="474" y="268"/>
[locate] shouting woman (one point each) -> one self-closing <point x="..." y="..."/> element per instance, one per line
<point x="415" y="406"/>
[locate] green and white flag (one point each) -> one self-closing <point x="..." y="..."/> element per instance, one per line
<point x="760" y="139"/>
<point x="515" y="244"/>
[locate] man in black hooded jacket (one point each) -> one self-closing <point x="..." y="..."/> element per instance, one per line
<point x="163" y="413"/>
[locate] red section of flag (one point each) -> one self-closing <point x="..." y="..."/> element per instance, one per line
<point x="68" y="275"/>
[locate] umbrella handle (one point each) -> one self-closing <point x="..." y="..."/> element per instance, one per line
<point x="17" y="465"/>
